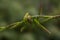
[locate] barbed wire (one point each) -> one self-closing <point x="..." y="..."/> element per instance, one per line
<point x="29" y="17"/>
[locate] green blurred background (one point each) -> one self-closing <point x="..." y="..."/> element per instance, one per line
<point x="14" y="10"/>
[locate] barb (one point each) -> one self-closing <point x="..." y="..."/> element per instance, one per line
<point x="41" y="26"/>
<point x="14" y="25"/>
<point x="45" y="16"/>
<point x="11" y="26"/>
